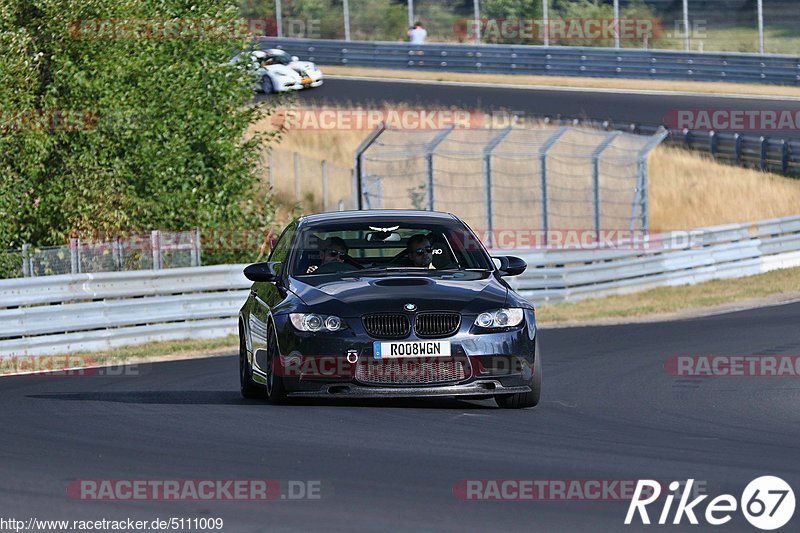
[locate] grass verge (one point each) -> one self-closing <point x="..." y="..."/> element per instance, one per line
<point x="676" y="302"/>
<point x="141" y="353"/>
<point x="707" y="87"/>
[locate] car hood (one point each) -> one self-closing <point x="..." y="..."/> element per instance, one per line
<point x="282" y="69"/>
<point x="471" y="293"/>
<point x="302" y="65"/>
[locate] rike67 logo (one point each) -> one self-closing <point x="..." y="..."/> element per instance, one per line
<point x="767" y="503"/>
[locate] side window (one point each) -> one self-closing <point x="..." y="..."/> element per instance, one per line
<point x="283" y="247"/>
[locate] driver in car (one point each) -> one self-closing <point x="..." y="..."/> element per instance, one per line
<point x="333" y="250"/>
<point x="419" y="251"/>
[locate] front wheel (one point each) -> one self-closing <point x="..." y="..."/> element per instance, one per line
<point x="266" y="85"/>
<point x="522" y="400"/>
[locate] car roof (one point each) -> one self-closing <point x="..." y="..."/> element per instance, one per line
<point x="379" y="215"/>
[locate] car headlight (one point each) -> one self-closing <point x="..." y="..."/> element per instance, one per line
<point x="500" y="318"/>
<point x="315" y="322"/>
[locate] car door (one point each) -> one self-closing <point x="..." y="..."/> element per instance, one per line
<point x="267" y="295"/>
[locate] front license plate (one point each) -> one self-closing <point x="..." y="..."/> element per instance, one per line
<point x="307" y="81"/>
<point x="394" y="350"/>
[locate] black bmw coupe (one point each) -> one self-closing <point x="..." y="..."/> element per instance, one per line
<point x="387" y="303"/>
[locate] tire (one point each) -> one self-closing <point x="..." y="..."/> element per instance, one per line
<point x="276" y="391"/>
<point x="522" y="400"/>
<point x="266" y="85"/>
<point x="250" y="389"/>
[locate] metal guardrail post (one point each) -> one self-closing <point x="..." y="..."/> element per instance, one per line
<point x="487" y="174"/>
<point x="358" y="165"/>
<point x="324" y="169"/>
<point x="596" y="177"/>
<point x="429" y="149"/>
<point x="26" y="266"/>
<point x="543" y="174"/>
<point x="155" y="248"/>
<point x="763" y="153"/>
<point x="712" y="143"/>
<point x="737" y="147"/>
<point x="784" y="156"/>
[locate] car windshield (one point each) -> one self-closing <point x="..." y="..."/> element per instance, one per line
<point x="279" y="57"/>
<point x="380" y="248"/>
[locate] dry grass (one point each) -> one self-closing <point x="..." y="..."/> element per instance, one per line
<point x="570" y="81"/>
<point x="689" y="190"/>
<point x="675" y="299"/>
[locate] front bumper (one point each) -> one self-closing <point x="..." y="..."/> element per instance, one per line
<point x="352" y="390"/>
<point x="326" y="364"/>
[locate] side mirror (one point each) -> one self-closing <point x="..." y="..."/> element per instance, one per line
<point x="261" y="271"/>
<point x="295" y="58"/>
<point x="510" y="265"/>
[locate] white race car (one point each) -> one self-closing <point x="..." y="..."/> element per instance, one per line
<point x="270" y="76"/>
<point x="310" y="75"/>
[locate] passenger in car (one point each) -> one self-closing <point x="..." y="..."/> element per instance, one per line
<point x="333" y="249"/>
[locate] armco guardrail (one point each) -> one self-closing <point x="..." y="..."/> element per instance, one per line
<point x="677" y="258"/>
<point x="86" y="312"/>
<point x="550" y="60"/>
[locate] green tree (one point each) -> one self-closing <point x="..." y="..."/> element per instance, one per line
<point x="104" y="129"/>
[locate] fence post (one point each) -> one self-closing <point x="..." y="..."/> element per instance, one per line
<point x="429" y="149"/>
<point x="543" y="174"/>
<point x="487" y="174"/>
<point x="763" y="154"/>
<point x="358" y="164"/>
<point x="74" y="260"/>
<point x="640" y="194"/>
<point x="155" y="247"/>
<point x="116" y="250"/>
<point x="296" y="158"/>
<point x="197" y="247"/>
<point x="26" y="266"/>
<point x="324" y="166"/>
<point x="596" y="177"/>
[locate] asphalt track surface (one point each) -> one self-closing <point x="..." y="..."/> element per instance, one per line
<point x="609" y="412"/>
<point x="601" y="105"/>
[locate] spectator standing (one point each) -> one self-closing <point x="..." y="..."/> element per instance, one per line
<point x="417" y="34"/>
